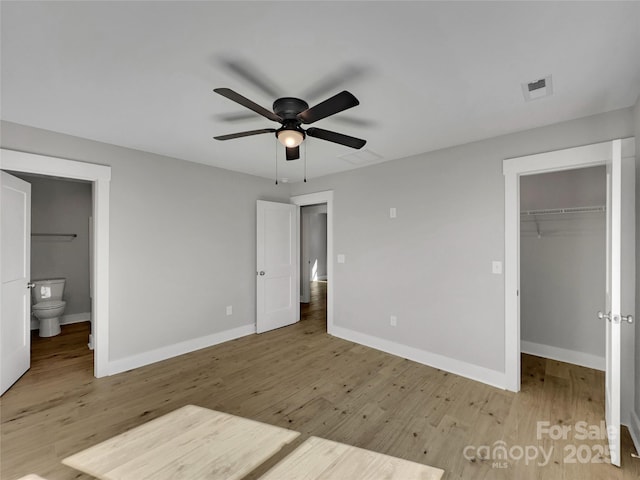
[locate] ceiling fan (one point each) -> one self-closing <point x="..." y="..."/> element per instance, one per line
<point x="291" y="113"/>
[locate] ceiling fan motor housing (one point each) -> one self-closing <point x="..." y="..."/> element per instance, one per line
<point x="288" y="108"/>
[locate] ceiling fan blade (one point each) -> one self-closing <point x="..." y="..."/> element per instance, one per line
<point x="252" y="75"/>
<point x="245" y="102"/>
<point x="293" y="153"/>
<point x="236" y="116"/>
<point x="333" y="82"/>
<point x="334" y="137"/>
<point x="353" y="121"/>
<point x="244" y="134"/>
<point x="337" y="103"/>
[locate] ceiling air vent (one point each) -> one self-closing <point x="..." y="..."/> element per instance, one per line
<point x="540" y="88"/>
<point x="362" y="157"/>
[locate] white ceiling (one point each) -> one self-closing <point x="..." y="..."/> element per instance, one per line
<point x="428" y="74"/>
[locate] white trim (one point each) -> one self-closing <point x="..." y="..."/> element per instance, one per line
<point x="75" y="318"/>
<point x="464" y="369"/>
<point x="634" y="429"/>
<point x="313" y="199"/>
<point x="513" y="168"/>
<point x="100" y="176"/>
<point x="170" y="351"/>
<point x="512" y="283"/>
<point x="563" y="355"/>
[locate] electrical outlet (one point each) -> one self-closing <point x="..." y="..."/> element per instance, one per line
<point x="342" y="258"/>
<point x="393" y="320"/>
<point x="393" y="212"/>
<point x="229" y="309"/>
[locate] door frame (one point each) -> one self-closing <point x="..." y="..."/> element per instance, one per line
<point x="313" y="199"/>
<point x="100" y="177"/>
<point x="513" y="169"/>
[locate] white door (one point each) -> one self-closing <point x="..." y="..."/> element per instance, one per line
<point x="616" y="319"/>
<point x="277" y="265"/>
<point x="15" y="257"/>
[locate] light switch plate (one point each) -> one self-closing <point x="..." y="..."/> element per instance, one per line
<point x="392" y="212"/>
<point x="341" y="258"/>
<point x="229" y="309"/>
<point x="496" y="267"/>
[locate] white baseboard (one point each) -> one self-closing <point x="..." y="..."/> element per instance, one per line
<point x="464" y="369"/>
<point x="170" y="351"/>
<point x="75" y="318"/>
<point x="634" y="429"/>
<point x="563" y="355"/>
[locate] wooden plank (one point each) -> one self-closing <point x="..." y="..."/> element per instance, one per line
<point x="318" y="458"/>
<point x="191" y="443"/>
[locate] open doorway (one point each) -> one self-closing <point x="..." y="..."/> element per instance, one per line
<point x="61" y="233"/>
<point x="326" y="200"/>
<point x="563" y="264"/>
<point x="595" y="155"/>
<point x="313" y="263"/>
<point x="99" y="176"/>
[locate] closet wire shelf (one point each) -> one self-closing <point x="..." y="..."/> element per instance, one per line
<point x="558" y="226"/>
<point x="54" y="237"/>
<point x="558" y="211"/>
<point x="74" y="235"/>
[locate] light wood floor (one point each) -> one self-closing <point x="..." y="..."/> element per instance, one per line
<point x="300" y="378"/>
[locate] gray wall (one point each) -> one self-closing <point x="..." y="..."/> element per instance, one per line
<point x="182" y="240"/>
<point x="59" y="206"/>
<point x="431" y="266"/>
<point x="562" y="272"/>
<point x="583" y="187"/>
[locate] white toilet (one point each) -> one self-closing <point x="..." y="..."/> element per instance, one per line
<point x="48" y="305"/>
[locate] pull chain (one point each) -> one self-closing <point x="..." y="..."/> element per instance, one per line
<point x="305" y="161"/>
<point x="276" y="144"/>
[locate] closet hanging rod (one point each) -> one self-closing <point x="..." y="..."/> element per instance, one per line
<point x="557" y="211"/>
<point x="72" y="235"/>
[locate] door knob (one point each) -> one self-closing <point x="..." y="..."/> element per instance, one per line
<point x="31" y="285"/>
<point x="616" y="318"/>
<point x="261" y="272"/>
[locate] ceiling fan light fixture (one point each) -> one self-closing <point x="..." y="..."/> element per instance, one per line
<point x="290" y="138"/>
